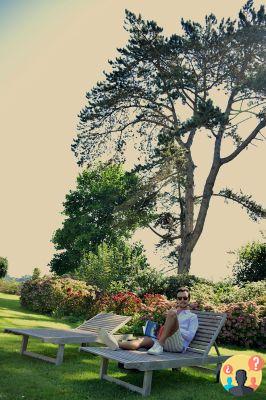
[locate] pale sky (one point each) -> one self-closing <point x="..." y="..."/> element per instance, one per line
<point x="52" y="53"/>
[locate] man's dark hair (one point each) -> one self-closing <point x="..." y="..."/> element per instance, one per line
<point x="184" y="289"/>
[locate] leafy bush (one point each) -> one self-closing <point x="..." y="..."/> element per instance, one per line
<point x="203" y="293"/>
<point x="112" y="263"/>
<point x="251" y="263"/>
<point x="3" y="267"/>
<point x="175" y="281"/>
<point x="251" y="291"/>
<point x="144" y="281"/>
<point x="61" y="296"/>
<point x="36" y="274"/>
<point x="226" y="293"/>
<point x="150" y="281"/>
<point x="10" y="286"/>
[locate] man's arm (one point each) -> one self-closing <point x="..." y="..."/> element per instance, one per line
<point x="189" y="333"/>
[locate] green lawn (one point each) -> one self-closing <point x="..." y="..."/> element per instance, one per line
<point x="23" y="378"/>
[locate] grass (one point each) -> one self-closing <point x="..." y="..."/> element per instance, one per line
<point x="23" y="378"/>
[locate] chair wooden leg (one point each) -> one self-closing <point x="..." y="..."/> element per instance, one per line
<point x="218" y="370"/>
<point x="146" y="391"/>
<point x="103" y="367"/>
<point x="24" y="344"/>
<point x="60" y="354"/>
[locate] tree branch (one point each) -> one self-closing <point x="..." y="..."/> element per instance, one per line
<point x="254" y="210"/>
<point x="163" y="236"/>
<point x="245" y="143"/>
<point x="190" y="138"/>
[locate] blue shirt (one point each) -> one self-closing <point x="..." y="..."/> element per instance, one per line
<point x="188" y="325"/>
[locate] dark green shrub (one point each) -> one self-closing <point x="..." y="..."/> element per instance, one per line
<point x="148" y="280"/>
<point x="251" y="291"/>
<point x="226" y="293"/>
<point x="251" y="263"/>
<point x="61" y="296"/>
<point x="120" y="262"/>
<point x="36" y="274"/>
<point x="203" y="293"/>
<point x="175" y="281"/>
<point x="3" y="267"/>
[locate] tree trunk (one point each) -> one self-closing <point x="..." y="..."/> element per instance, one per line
<point x="184" y="259"/>
<point x="185" y="250"/>
<point x="190" y="236"/>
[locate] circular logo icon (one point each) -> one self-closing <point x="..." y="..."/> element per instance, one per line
<point x="241" y="375"/>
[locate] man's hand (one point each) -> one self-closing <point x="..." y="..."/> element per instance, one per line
<point x="173" y="311"/>
<point x="170" y="310"/>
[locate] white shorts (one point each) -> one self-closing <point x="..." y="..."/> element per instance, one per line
<point x="174" y="343"/>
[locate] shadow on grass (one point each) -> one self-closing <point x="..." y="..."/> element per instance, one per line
<point x="14" y="305"/>
<point x="30" y="318"/>
<point x="236" y="348"/>
<point x="11" y="304"/>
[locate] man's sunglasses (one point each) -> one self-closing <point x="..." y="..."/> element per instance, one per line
<point x="184" y="298"/>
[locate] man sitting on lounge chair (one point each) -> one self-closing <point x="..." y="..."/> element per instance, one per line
<point x="178" y="331"/>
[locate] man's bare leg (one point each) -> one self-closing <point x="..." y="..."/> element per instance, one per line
<point x="170" y="327"/>
<point x="146" y="342"/>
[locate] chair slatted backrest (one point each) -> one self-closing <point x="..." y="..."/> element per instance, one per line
<point x="108" y="321"/>
<point x="210" y="325"/>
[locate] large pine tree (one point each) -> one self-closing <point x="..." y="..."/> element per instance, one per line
<point x="161" y="93"/>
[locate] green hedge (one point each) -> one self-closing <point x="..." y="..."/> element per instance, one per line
<point x="225" y="293"/>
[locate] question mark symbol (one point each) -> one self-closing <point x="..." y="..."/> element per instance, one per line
<point x="256" y="362"/>
<point x="227" y="369"/>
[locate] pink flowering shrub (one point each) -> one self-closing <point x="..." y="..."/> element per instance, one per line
<point x="124" y="303"/>
<point x="61" y="296"/>
<point x="245" y="324"/>
<point x="155" y="307"/>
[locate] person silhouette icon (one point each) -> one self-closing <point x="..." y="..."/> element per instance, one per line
<point x="241" y="389"/>
<point x="253" y="383"/>
<point x="229" y="384"/>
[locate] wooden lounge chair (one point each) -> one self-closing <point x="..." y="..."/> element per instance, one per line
<point x="196" y="355"/>
<point x="88" y="332"/>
